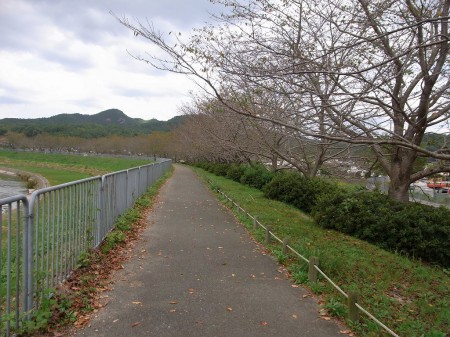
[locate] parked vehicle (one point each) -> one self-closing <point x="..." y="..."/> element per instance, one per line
<point x="438" y="184"/>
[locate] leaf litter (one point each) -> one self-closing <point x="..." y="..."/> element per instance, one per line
<point x="84" y="288"/>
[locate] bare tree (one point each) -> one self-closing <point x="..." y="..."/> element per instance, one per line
<point x="211" y="133"/>
<point x="362" y="72"/>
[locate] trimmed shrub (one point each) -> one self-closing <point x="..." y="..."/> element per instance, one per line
<point x="293" y="188"/>
<point x="219" y="169"/>
<point x="235" y="172"/>
<point x="204" y="165"/>
<point x="423" y="231"/>
<point x="256" y="176"/>
<point x="413" y="229"/>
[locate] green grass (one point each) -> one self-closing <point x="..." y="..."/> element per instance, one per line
<point x="55" y="176"/>
<point x="409" y="297"/>
<point x="59" y="168"/>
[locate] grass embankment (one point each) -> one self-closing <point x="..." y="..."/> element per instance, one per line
<point x="409" y="297"/>
<point x="60" y="168"/>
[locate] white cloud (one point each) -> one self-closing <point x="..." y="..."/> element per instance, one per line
<point x="64" y="56"/>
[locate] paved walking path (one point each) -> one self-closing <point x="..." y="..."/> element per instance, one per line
<point x="196" y="272"/>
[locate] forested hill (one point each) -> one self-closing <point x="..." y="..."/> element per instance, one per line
<point x="105" y="123"/>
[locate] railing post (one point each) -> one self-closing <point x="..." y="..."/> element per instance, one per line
<point x="312" y="271"/>
<point x="28" y="259"/>
<point x="353" y="312"/>
<point x="31" y="246"/>
<point x="101" y="223"/>
<point x="255" y="223"/>
<point x="285" y="246"/>
<point x="126" y="190"/>
<point x="268" y="238"/>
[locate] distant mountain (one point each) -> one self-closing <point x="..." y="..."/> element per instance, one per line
<point x="108" y="122"/>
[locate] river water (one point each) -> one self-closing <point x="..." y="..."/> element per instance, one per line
<point x="11" y="185"/>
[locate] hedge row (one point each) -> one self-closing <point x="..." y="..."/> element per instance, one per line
<point x="254" y="175"/>
<point x="412" y="229"/>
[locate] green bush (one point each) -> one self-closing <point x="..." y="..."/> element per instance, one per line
<point x="423" y="232"/>
<point x="409" y="228"/>
<point x="220" y="169"/>
<point x="204" y="165"/>
<point x="294" y="189"/>
<point x="256" y="175"/>
<point x="235" y="172"/>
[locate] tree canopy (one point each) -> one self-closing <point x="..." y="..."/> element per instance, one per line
<point x="361" y="72"/>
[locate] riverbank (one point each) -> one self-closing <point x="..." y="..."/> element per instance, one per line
<point x="41" y="181"/>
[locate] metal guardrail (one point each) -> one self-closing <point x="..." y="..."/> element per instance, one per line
<point x="14" y="252"/>
<point x="43" y="236"/>
<point x="313" y="262"/>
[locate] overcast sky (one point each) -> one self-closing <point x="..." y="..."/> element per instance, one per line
<point x="70" y="56"/>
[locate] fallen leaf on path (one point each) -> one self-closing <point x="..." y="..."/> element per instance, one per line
<point x="58" y="334"/>
<point x="136" y="302"/>
<point x="173" y="302"/>
<point x="173" y="310"/>
<point x="135" y="324"/>
<point x="294" y="285"/>
<point x="294" y="316"/>
<point x="264" y="323"/>
<point x="326" y="318"/>
<point x="346" y="332"/>
<point x="82" y="320"/>
<point x="229" y="309"/>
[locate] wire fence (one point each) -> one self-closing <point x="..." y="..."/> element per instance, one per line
<point x="435" y="197"/>
<point x="354" y="308"/>
<point x="43" y="236"/>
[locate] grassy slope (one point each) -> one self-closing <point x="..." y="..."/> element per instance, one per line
<point x="59" y="169"/>
<point x="407" y="296"/>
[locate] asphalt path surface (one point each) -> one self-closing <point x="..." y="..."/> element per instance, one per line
<point x="197" y="272"/>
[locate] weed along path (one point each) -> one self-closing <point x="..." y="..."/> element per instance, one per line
<point x="196" y="272"/>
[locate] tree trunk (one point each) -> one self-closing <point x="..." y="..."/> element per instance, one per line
<point x="399" y="190"/>
<point x="400" y="174"/>
<point x="274" y="166"/>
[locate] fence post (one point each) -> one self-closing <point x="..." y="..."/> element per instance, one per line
<point x="285" y="246"/>
<point x="126" y="190"/>
<point x="353" y="312"/>
<point x="312" y="272"/>
<point x="102" y="216"/>
<point x="28" y="258"/>
<point x="255" y="222"/>
<point x="268" y="238"/>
